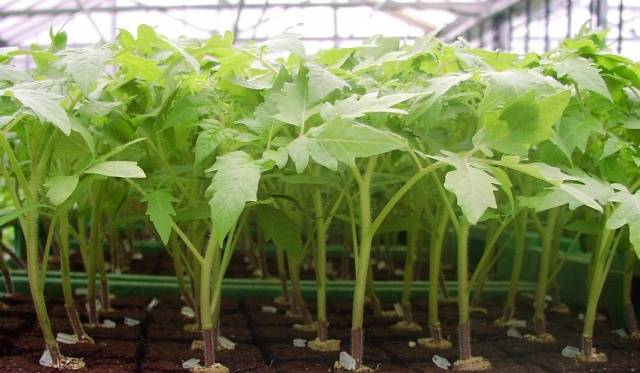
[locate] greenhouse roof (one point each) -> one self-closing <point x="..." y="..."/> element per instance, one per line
<point x="516" y="25"/>
<point x="320" y="22"/>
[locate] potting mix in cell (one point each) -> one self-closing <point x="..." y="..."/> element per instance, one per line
<point x="204" y="206"/>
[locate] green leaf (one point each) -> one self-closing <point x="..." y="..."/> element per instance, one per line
<point x="474" y="190"/>
<point x="346" y="140"/>
<point x="437" y="88"/>
<point x="13" y="74"/>
<point x="354" y="106"/>
<point x="59" y="188"/>
<point x="207" y="142"/>
<point x="304" y="147"/>
<point x="85" y="65"/>
<point x="160" y="211"/>
<point x="575" y="130"/>
<point x="542" y="171"/>
<point x="612" y="146"/>
<point x="187" y="57"/>
<point x="234" y="184"/>
<point x="124" y="169"/>
<point x="322" y="82"/>
<point x="505" y="86"/>
<point x="565" y="194"/>
<point x="139" y="67"/>
<point x="627" y="212"/>
<point x="45" y="104"/>
<point x="586" y="76"/>
<point x="78" y="127"/>
<point x="299" y="152"/>
<point x="96" y="109"/>
<point x="580" y="195"/>
<point x="279" y="228"/>
<point x="523" y="123"/>
<point x="628" y="209"/>
<point x="293" y="104"/>
<point x="13" y="214"/>
<point x="279" y="156"/>
<point x="547" y="200"/>
<point x="505" y="185"/>
<point x="288" y="42"/>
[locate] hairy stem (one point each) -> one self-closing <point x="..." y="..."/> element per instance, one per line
<point x="407" y="280"/>
<point x="65" y="273"/>
<point x="435" y="258"/>
<point x="321" y="269"/>
<point x="282" y="273"/>
<point x="629" y="266"/>
<point x="94" y="243"/>
<point x="206" y="317"/>
<point x="606" y="252"/>
<point x="520" y="231"/>
<point x="543" y="273"/>
<point x="463" y="292"/>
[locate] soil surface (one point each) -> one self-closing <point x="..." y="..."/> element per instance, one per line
<point x="264" y="341"/>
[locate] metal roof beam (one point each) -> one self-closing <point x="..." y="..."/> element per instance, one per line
<point x="463" y="24"/>
<point x="457" y="7"/>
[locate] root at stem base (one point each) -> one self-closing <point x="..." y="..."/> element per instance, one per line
<point x="215" y="368"/>
<point x="472" y="364"/>
<point x="312" y="327"/>
<point x="435" y="344"/>
<point x="502" y="322"/>
<point x="561" y="309"/>
<point x="330" y="345"/>
<point x="71" y="363"/>
<point x="542" y="338"/>
<point x="408" y="326"/>
<point x="595" y="357"/>
<point x="281" y="301"/>
<point x="338" y="368"/>
<point x="197" y="344"/>
<point x="191" y="328"/>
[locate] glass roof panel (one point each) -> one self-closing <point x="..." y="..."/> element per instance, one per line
<point x="319" y="22"/>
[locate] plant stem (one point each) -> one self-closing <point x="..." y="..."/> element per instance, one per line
<point x="363" y="262"/>
<point x="370" y="292"/>
<point x="208" y="332"/>
<point x="479" y="277"/>
<point x="605" y="255"/>
<point x="47" y="250"/>
<point x="543" y="273"/>
<point x="520" y="231"/>
<point x="464" y="328"/>
<point x="94" y="243"/>
<point x="178" y="266"/>
<point x="6" y="273"/>
<point x="30" y="229"/>
<point x="435" y="258"/>
<point x="282" y="273"/>
<point x="37" y="292"/>
<point x="104" y="281"/>
<point x="320" y="264"/>
<point x="629" y="266"/>
<point x="407" y="280"/>
<point x="65" y="272"/>
<point x="298" y="307"/>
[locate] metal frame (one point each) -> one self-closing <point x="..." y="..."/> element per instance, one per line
<point x="488" y="23"/>
<point x="503" y="12"/>
<point x="34" y="18"/>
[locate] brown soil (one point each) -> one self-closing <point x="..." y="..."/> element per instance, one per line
<point x="265" y="340"/>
